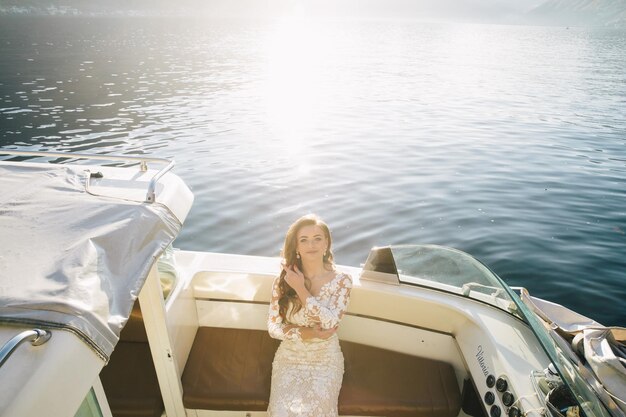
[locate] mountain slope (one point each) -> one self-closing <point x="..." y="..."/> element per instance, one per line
<point x="607" y="13"/>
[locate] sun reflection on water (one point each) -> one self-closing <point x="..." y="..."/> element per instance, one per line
<point x="294" y="87"/>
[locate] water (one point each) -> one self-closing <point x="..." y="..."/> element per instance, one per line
<point x="507" y="142"/>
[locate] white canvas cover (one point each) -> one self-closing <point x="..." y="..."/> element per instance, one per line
<point x="562" y="317"/>
<point x="70" y="259"/>
<point x="605" y="357"/>
<point x="603" y="348"/>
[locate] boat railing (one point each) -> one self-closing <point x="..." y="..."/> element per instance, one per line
<point x="142" y="160"/>
<point x="36" y="337"/>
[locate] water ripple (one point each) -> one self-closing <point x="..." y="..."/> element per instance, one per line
<point x="506" y="142"/>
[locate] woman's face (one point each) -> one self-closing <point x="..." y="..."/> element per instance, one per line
<point x="311" y="242"/>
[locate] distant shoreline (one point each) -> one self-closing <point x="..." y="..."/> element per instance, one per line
<point x="587" y="13"/>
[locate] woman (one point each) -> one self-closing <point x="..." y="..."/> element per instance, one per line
<point x="309" y="299"/>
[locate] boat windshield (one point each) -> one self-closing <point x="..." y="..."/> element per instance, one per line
<point x="441" y="268"/>
<point x="451" y="270"/>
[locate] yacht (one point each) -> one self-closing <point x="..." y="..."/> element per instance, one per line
<point x="100" y="316"/>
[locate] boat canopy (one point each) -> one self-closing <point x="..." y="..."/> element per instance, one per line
<point x="70" y="259"/>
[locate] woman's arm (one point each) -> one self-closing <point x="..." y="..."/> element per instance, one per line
<point x="275" y="325"/>
<point x="329" y="317"/>
<point x="282" y="331"/>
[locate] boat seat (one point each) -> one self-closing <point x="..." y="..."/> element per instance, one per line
<point x="230" y="369"/>
<point x="129" y="379"/>
<point x="379" y="382"/>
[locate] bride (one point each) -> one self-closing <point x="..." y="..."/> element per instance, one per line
<point x="309" y="298"/>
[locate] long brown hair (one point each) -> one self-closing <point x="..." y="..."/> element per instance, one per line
<point x="287" y="295"/>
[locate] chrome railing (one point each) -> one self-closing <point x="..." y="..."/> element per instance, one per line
<point x="143" y="163"/>
<point x="36" y="337"/>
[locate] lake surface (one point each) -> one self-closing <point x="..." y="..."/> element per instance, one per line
<point x="507" y="142"/>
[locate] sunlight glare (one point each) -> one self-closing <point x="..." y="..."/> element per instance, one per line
<point x="294" y="86"/>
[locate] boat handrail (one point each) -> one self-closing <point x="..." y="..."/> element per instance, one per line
<point x="142" y="160"/>
<point x="36" y="337"/>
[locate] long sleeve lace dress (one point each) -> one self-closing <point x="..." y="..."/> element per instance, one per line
<point x="307" y="374"/>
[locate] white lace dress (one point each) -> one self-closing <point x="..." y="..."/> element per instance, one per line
<point x="307" y="374"/>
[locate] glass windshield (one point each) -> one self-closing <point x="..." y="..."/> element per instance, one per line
<point x="450" y="270"/>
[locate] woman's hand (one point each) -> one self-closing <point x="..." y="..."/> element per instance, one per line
<point x="316" y="332"/>
<point x="320" y="333"/>
<point x="294" y="277"/>
<point x="313" y="332"/>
